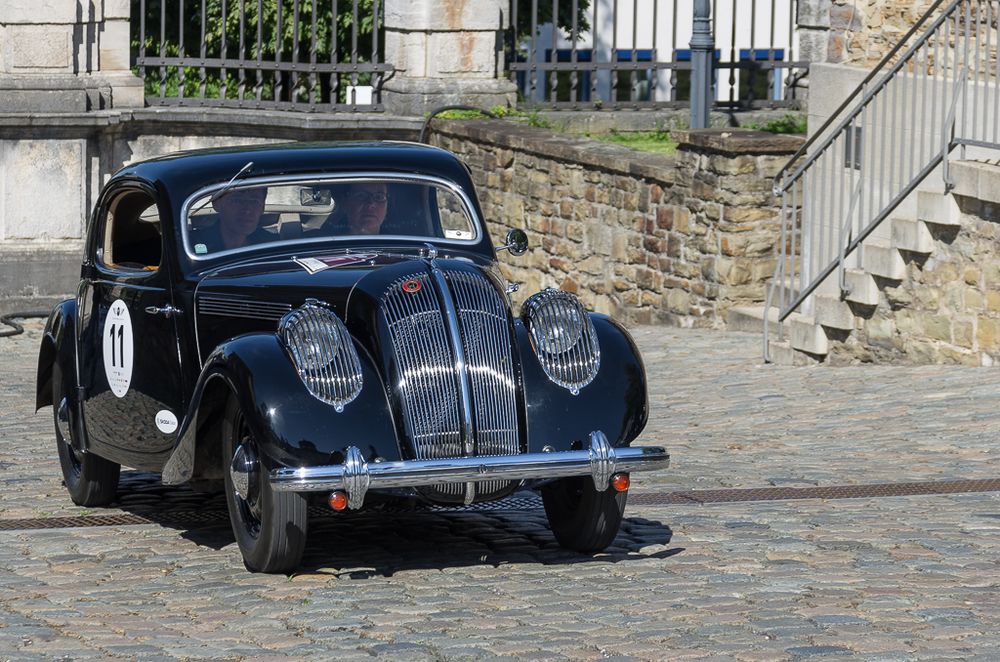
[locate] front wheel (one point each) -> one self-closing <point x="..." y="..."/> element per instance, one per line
<point x="269" y="526"/>
<point x="581" y="518"/>
<point x="90" y="479"/>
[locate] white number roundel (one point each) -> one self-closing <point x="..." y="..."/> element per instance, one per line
<point x="118" y="348"/>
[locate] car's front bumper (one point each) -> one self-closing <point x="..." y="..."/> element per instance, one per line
<point x="355" y="476"/>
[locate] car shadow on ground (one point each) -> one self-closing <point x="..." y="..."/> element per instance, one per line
<point x="382" y="542"/>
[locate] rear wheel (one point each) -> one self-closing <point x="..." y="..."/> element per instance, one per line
<point x="582" y="518"/>
<point x="269" y="526"/>
<point x="90" y="479"/>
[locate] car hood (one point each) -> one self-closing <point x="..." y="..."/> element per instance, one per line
<point x="254" y="295"/>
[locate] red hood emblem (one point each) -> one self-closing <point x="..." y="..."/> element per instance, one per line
<point x="411" y="286"/>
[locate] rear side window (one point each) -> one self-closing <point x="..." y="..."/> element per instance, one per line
<point x="132" y="238"/>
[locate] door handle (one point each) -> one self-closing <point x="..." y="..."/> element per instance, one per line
<point x="167" y="311"/>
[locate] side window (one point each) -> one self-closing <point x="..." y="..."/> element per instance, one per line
<point x="132" y="240"/>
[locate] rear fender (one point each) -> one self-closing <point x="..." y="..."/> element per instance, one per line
<point x="291" y="426"/>
<point x="57" y="346"/>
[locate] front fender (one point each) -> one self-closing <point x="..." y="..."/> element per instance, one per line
<point x="615" y="402"/>
<point x="57" y="346"/>
<point x="291" y="426"/>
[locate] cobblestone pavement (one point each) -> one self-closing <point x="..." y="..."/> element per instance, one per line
<point x="895" y="578"/>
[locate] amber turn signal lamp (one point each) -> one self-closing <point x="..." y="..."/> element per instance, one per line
<point x="620" y="482"/>
<point x="338" y="500"/>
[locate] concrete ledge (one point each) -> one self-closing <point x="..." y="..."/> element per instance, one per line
<point x="739" y="141"/>
<point x="31" y="272"/>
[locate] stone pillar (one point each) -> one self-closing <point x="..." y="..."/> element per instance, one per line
<point x="445" y="52"/>
<point x="65" y="56"/>
<point x="813" y="21"/>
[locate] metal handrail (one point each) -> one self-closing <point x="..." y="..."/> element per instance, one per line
<point x="858" y="90"/>
<point x="861" y="179"/>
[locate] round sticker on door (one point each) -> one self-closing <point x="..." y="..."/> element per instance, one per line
<point x="118" y="348"/>
<point x="166" y="422"/>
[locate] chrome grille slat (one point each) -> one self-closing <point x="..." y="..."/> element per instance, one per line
<point x="231" y="307"/>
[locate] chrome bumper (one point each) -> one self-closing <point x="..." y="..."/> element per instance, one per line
<point x="355" y="476"/>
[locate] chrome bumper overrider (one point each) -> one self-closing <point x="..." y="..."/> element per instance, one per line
<point x="355" y="476"/>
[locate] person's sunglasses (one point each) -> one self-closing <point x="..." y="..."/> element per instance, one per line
<point x="364" y="197"/>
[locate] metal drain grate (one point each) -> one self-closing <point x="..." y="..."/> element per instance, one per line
<point x="876" y="490"/>
<point x="527" y="502"/>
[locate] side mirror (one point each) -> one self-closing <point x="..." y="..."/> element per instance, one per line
<point x="516" y="242"/>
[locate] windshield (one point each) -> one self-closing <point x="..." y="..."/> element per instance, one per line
<point x="307" y="211"/>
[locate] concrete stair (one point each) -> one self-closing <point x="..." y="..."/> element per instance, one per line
<point x="806" y="338"/>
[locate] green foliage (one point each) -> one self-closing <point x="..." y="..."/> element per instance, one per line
<point x="564" y="10"/>
<point x="657" y="141"/>
<point x="789" y="123"/>
<point x="262" y="40"/>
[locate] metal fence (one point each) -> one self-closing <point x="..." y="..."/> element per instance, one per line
<point x="580" y="54"/>
<point x="311" y="55"/>
<point x="937" y="90"/>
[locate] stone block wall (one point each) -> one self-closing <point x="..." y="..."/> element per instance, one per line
<point x="643" y="237"/>
<point x="947" y="308"/>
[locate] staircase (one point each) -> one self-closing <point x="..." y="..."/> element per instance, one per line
<point x="873" y="186"/>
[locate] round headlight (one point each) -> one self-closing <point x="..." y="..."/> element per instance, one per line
<point x="557" y="325"/>
<point x="564" y="337"/>
<point x="323" y="353"/>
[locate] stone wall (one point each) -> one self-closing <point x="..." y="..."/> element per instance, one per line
<point x="643" y="237"/>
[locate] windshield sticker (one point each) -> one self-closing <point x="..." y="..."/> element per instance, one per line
<point x="317" y="264"/>
<point x="118" y="348"/>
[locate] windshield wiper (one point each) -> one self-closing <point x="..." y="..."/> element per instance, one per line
<point x="244" y="171"/>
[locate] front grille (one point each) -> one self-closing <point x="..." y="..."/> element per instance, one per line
<point x="425" y="367"/>
<point x="236" y="307"/>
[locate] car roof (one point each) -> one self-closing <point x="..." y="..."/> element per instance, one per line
<point x="183" y="173"/>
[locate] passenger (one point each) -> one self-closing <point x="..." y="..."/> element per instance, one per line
<point x="361" y="210"/>
<point x="240" y="213"/>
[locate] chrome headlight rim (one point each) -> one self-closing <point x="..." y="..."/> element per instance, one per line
<point x="563" y="337"/>
<point x="323" y="353"/>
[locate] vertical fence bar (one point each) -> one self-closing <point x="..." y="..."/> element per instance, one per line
<point x="654" y="58"/>
<point x="242" y="83"/>
<point x="163" y="48"/>
<point x="258" y="88"/>
<point x="294" y="80"/>
<point x="673" y="57"/>
<point x="313" y="48"/>
<point x="573" y="56"/>
<point x="223" y="52"/>
<point x="975" y="60"/>
<point x="180" y="50"/>
<point x="594" y="57"/>
<point x="334" y="57"/>
<point x="533" y="52"/>
<point x="751" y="72"/>
<point x="733" y="60"/>
<point x="634" y="75"/>
<point x="376" y="24"/>
<point x="553" y="71"/>
<point x="202" y="73"/>
<point x="614" y="53"/>
<point x="142" y="41"/>
<point x="279" y="74"/>
<point x="702" y="47"/>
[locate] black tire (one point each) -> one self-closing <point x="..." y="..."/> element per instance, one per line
<point x="581" y="518"/>
<point x="270" y="527"/>
<point x="90" y="479"/>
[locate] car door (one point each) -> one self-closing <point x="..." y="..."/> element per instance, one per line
<point x="127" y="345"/>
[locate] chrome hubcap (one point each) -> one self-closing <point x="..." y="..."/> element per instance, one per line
<point x="62" y="420"/>
<point x="243" y="470"/>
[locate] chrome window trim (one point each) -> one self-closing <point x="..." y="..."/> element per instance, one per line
<point x="250" y="182"/>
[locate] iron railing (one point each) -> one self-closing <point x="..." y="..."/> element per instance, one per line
<point x="937" y="89"/>
<point x="311" y="55"/>
<point x="636" y="54"/>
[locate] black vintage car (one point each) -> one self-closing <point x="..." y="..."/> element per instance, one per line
<point x="303" y="323"/>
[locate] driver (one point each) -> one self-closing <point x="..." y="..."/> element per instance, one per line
<point x="361" y="210"/>
<point x="240" y="213"/>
